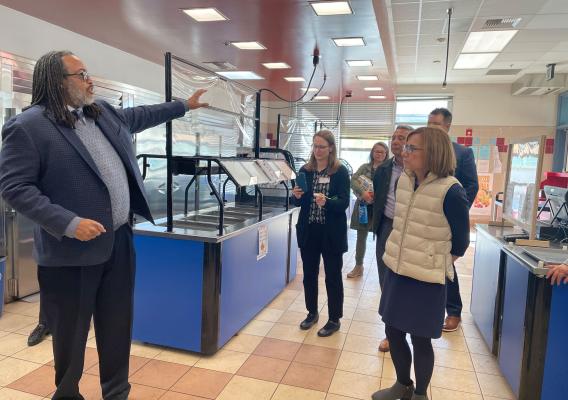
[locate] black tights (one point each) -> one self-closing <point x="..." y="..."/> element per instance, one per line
<point x="402" y="359"/>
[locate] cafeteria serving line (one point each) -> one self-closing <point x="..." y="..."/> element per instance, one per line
<point x="175" y="197"/>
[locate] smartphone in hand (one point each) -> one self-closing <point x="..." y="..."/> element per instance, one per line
<point x="302" y="182"/>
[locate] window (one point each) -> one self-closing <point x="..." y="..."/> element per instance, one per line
<point x="414" y="111"/>
<point x="356" y="151"/>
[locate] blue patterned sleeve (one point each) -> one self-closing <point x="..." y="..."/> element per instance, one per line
<point x="456" y="209"/>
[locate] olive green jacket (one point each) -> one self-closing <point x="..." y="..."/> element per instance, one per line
<point x="365" y="170"/>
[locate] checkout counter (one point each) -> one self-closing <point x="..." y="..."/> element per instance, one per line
<point x="521" y="317"/>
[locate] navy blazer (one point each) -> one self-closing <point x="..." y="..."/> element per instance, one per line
<point x="335" y="239"/>
<point x="48" y="175"/>
<point x="466" y="171"/>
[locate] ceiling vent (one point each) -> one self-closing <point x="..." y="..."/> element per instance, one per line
<point x="503" y="72"/>
<point x="219" y="65"/>
<point x="537" y="85"/>
<point x="500" y="24"/>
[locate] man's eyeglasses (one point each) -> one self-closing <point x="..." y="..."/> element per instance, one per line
<point x="319" y="147"/>
<point x="410" y="148"/>
<point x="83" y="74"/>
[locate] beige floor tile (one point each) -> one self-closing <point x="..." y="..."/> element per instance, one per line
<point x="376" y="330"/>
<point x="287" y="332"/>
<point x="13" y="322"/>
<point x="285" y="392"/>
<point x="308" y="376"/>
<point x="243" y="388"/>
<point x="453" y="359"/>
<point x="40" y="382"/>
<point x="301" y="307"/>
<point x="223" y="361"/>
<point x="41" y="353"/>
<point x="92" y="343"/>
<point x="281" y="304"/>
<point x="455" y="379"/>
<point x="243" y="343"/>
<point x="257" y="328"/>
<point x="12" y="369"/>
<point x="23" y="308"/>
<point x="445" y="394"/>
<point x="4" y="333"/>
<point x="354" y="385"/>
<point x="141" y="392"/>
<point x="26" y="330"/>
<point x="264" y="368"/>
<point x="368" y="304"/>
<point x="494" y="385"/>
<point x="292" y="318"/>
<point x="348" y="292"/>
<point x="360" y="363"/>
<point x="318" y="355"/>
<point x="12" y="343"/>
<point x="477" y="346"/>
<point x="178" y="357"/>
<point x="159" y="374"/>
<point x="390" y="373"/>
<point x="362" y="344"/>
<point x="269" y="314"/>
<point x="471" y="331"/>
<point x="10" y="394"/>
<point x="485" y="364"/>
<point x="202" y="383"/>
<point x="450" y="342"/>
<point x="368" y="316"/>
<point x="143" y="350"/>
<point x="275" y="348"/>
<point x="334" y="341"/>
<point x="331" y="396"/>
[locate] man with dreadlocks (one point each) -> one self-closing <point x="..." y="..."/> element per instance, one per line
<point x="68" y="164"/>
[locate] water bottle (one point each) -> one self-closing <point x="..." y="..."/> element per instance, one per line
<point x="363" y="217"/>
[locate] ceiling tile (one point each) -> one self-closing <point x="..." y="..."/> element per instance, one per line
<point x="406" y="59"/>
<point x="431" y="50"/>
<point x="554" y="7"/>
<point x="463" y="9"/>
<point x="405" y="40"/>
<point x="405" y="12"/>
<point x="542" y="35"/>
<point x="406" y="27"/>
<point x="406" y="50"/>
<point x="510" y="64"/>
<point x="549" y="21"/>
<point x="525" y="56"/>
<point x="518" y="46"/>
<point x="440" y="26"/>
<point x="494" y="8"/>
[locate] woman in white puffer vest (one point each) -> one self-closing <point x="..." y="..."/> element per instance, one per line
<point x="430" y="231"/>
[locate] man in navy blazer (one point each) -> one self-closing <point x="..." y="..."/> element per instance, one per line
<point x="466" y="173"/>
<point x="68" y="163"/>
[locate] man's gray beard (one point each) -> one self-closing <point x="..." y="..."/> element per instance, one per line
<point x="80" y="99"/>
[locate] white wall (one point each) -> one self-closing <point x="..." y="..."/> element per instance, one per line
<point x="491" y="105"/>
<point x="29" y="37"/>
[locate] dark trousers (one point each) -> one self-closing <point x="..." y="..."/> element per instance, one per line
<point x="332" y="263"/>
<point x="42" y="318"/>
<point x="70" y="297"/>
<point x="453" y="299"/>
<point x="382" y="235"/>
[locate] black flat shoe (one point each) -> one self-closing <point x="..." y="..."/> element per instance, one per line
<point x="310" y="321"/>
<point x="38" y="334"/>
<point x="329" y="328"/>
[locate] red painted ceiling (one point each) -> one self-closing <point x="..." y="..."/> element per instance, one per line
<point x="288" y="28"/>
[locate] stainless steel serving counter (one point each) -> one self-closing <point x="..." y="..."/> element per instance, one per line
<point x="203" y="225"/>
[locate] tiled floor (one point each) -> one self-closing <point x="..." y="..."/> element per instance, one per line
<point x="271" y="358"/>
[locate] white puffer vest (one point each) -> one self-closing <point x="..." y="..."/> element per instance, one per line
<point x="421" y="240"/>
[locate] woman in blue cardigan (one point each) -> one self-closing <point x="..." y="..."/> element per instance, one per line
<point x="322" y="229"/>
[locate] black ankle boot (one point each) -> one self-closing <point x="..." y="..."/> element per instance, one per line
<point x="329" y="328"/>
<point x="310" y="321"/>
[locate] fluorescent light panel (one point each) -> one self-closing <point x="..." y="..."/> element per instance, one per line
<point x="276" y="65"/>
<point x="240" y="75"/>
<point x="378" y="97"/>
<point x="323" y="8"/>
<point x="321" y="98"/>
<point x="488" y="41"/>
<point x="312" y="89"/>
<point x="205" y="14"/>
<point x="475" y="61"/>
<point x="359" y="63"/>
<point x="373" y="89"/>
<point x="248" y="45"/>
<point x="295" y="79"/>
<point x="349" y="42"/>
<point x="368" y="77"/>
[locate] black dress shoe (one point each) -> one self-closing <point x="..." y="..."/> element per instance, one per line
<point x="329" y="328"/>
<point x="38" y="334"/>
<point x="310" y="321"/>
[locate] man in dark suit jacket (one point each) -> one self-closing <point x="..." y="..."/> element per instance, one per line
<point x="67" y="163"/>
<point x="466" y="173"/>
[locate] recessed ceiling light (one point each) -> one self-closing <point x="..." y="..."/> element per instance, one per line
<point x="276" y="65"/>
<point x="487" y="42"/>
<point x="373" y="89"/>
<point x="295" y="79"/>
<point x="321" y="98"/>
<point x="240" y="75"/>
<point x="475" y="61"/>
<point x="348" y="42"/>
<point x="312" y="89"/>
<point x="378" y="97"/>
<point x="360" y="63"/>
<point x="248" y="45"/>
<point x="368" y="77"/>
<point x="331" y="7"/>
<point x="205" y="14"/>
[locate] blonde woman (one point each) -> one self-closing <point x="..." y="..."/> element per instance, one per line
<point x="430" y="231"/>
<point x="379" y="153"/>
<point x="322" y="229"/>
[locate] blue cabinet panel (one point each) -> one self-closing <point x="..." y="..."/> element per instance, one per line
<point x="168" y="292"/>
<point x="513" y="323"/>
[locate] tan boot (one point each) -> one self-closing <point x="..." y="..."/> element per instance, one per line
<point x="356" y="272"/>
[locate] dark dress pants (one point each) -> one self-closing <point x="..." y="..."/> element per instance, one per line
<point x="453" y="300"/>
<point x="383" y="233"/>
<point x="332" y="263"/>
<point x="70" y="297"/>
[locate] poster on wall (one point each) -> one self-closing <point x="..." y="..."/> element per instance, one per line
<point x="262" y="241"/>
<point x="484" y="199"/>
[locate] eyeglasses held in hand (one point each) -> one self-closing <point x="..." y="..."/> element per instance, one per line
<point x="83" y="74"/>
<point x="410" y="148"/>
